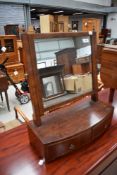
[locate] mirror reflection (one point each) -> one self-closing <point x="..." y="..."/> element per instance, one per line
<point x="52" y="86"/>
<point x="74" y="53"/>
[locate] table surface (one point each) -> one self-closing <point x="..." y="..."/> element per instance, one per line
<point x="18" y="158"/>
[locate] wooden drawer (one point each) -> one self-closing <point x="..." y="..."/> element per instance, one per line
<point x="18" y="69"/>
<point x="66" y="146"/>
<point x="81" y="68"/>
<point x="102" y="126"/>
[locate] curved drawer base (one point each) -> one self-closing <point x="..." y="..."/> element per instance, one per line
<point x="69" y="129"/>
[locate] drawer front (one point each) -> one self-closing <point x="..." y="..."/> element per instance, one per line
<point x="101" y="127"/>
<point x="12" y="59"/>
<point x="67" y="146"/>
<point x="19" y="76"/>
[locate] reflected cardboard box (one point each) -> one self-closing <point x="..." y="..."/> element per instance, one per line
<point x="78" y="83"/>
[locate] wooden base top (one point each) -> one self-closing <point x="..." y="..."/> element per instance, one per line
<point x="69" y="121"/>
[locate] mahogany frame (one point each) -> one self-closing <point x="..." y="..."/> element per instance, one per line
<point x="33" y="75"/>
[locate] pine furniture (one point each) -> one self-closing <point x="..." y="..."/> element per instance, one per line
<point x="14" y="63"/>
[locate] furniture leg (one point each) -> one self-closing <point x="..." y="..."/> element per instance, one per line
<point x="7" y="100"/>
<point x="1" y="96"/>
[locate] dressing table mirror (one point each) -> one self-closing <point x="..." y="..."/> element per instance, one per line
<point x="61" y="123"/>
<point x="66" y="60"/>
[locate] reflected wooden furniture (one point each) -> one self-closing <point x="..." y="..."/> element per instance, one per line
<point x="81" y="68"/>
<point x="67" y="58"/>
<point x="4" y="87"/>
<point x="109" y="70"/>
<point x="74" y="125"/>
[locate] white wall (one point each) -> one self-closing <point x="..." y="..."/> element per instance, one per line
<point x="99" y="2"/>
<point x="112" y="24"/>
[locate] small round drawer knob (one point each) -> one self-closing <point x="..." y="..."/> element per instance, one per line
<point x="72" y="147"/>
<point x="105" y="126"/>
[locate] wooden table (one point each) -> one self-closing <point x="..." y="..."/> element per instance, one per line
<point x="4" y="87"/>
<point x="18" y="158"/>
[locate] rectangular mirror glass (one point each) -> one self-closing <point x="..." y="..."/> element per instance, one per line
<point x="74" y="54"/>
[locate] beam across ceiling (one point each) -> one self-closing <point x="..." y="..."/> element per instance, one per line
<point x="76" y="5"/>
<point x="111" y="10"/>
<point x="71" y="4"/>
<point x="15" y="1"/>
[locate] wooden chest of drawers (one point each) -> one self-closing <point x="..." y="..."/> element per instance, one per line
<point x="81" y="68"/>
<point x="67" y="58"/>
<point x="16" y="72"/>
<point x="108" y="71"/>
<point x="70" y="129"/>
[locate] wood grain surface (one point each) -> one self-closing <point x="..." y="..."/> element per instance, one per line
<point x="18" y="158"/>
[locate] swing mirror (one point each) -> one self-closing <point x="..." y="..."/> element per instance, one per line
<point x="74" y="54"/>
<point x="62" y="64"/>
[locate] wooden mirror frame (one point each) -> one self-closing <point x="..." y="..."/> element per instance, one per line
<point x="33" y="76"/>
